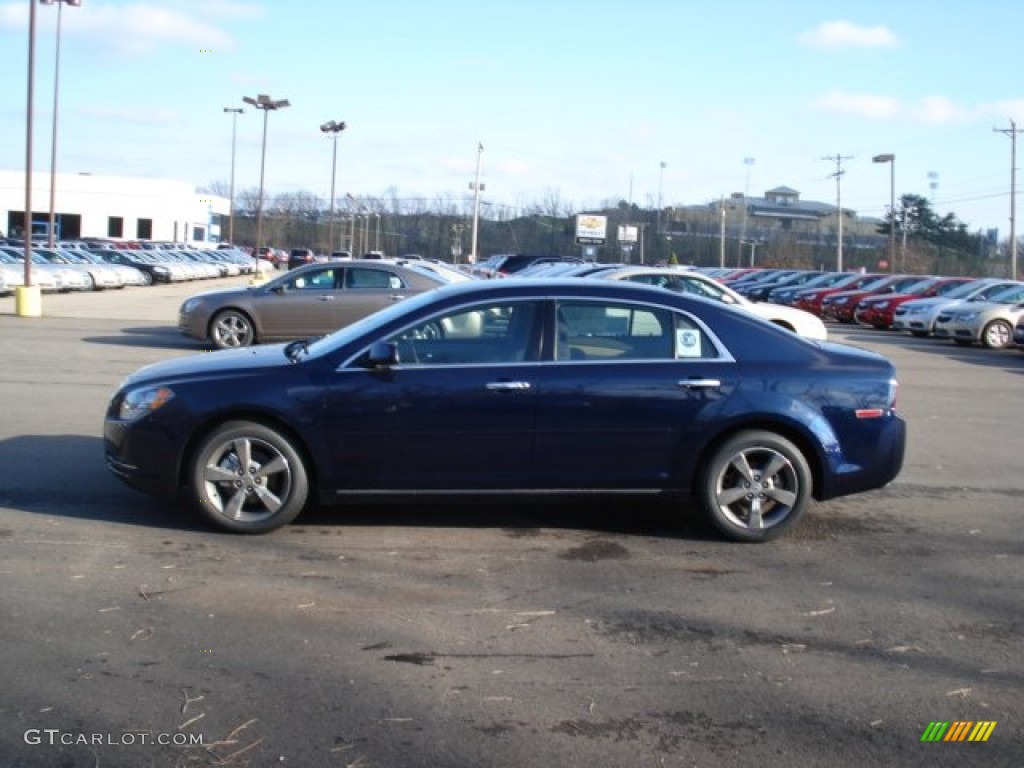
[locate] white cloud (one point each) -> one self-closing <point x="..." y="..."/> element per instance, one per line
<point x="845" y="34"/>
<point x="934" y="110"/>
<point x="135" y="28"/>
<point x="860" y="104"/>
<point x="1012" y="109"/>
<point x="141" y="28"/>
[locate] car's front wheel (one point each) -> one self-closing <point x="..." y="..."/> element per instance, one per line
<point x="230" y="329"/>
<point x="754" y="486"/>
<point x="997" y="335"/>
<point x="248" y="478"/>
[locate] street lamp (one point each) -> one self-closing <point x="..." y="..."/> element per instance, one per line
<point x="477" y="187"/>
<point x="332" y="127"/>
<point x="235" y="112"/>
<point x="264" y="102"/>
<point x="53" y="142"/>
<point x="891" y="160"/>
<point x="28" y="297"/>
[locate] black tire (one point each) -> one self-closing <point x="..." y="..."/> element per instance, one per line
<point x="147" y="278"/>
<point x="230" y="329"/>
<point x="755" y="486"/>
<point x="997" y="335"/>
<point x="267" y="494"/>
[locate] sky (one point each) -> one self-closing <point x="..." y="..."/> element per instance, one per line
<point x="575" y="104"/>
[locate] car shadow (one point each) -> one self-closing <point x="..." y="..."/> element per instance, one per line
<point x="160" y="337"/>
<point x="66" y="476"/>
<point x="613" y="516"/>
<point x="152" y="337"/>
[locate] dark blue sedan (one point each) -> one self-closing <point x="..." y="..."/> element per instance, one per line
<point x="517" y="388"/>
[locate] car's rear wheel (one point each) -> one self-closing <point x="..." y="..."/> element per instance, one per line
<point x="754" y="486"/>
<point x="248" y="478"/>
<point x="230" y="329"/>
<point x="997" y="335"/>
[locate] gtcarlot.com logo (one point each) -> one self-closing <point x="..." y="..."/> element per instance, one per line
<point x="54" y="737"/>
<point x="958" y="730"/>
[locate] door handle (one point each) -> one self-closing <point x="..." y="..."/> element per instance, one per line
<point x="700" y="383"/>
<point x="325" y="298"/>
<point x="509" y="386"/>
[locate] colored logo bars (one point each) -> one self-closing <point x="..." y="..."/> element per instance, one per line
<point x="959" y="730"/>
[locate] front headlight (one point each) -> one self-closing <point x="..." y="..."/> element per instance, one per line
<point x="161" y="270"/>
<point x="915" y="310"/>
<point x="190" y="305"/>
<point x="138" y="402"/>
<point x="842" y="300"/>
<point x="882" y="305"/>
<point x="967" y="317"/>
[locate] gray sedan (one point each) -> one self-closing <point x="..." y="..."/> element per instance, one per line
<point x="309" y="301"/>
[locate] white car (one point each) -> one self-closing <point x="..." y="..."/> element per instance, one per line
<point x="687" y="281"/>
<point x="989" y="323"/>
<point x="918" y="315"/>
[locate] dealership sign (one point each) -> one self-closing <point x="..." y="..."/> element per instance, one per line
<point x="591" y="229"/>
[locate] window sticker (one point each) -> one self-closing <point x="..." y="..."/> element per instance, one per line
<point x="687" y="343"/>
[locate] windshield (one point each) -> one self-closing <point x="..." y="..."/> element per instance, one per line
<point x="1009" y="296"/>
<point x="962" y="290"/>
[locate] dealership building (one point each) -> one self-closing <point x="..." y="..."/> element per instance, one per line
<point x="113" y="207"/>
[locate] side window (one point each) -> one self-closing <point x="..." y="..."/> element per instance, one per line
<point x="358" y="277"/>
<point x="485" y="335"/>
<point x="314" y="281"/>
<point x="599" y="331"/>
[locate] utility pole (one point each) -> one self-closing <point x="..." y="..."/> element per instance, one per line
<point x="721" y="232"/>
<point x="839" y="206"/>
<point x="1012" y="132"/>
<point x="747" y="161"/>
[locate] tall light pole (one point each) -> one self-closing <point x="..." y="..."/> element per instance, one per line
<point x="53" y="141"/>
<point x="267" y="104"/>
<point x="333" y="127"/>
<point x="477" y="188"/>
<point x="28" y="297"/>
<point x="235" y="112"/>
<point x="747" y="161"/>
<point x="661" y="185"/>
<point x="890" y="158"/>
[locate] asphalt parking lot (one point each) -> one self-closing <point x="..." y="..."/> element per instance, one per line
<point x="569" y="634"/>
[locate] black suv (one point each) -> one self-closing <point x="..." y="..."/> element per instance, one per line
<point x="300" y="256"/>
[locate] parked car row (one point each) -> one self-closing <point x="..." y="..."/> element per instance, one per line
<point x="84" y="266"/>
<point x="964" y="310"/>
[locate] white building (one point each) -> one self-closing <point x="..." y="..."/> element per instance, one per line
<point x="113" y="207"/>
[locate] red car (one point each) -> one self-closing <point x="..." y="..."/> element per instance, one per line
<point x="811" y="300"/>
<point x="842" y="304"/>
<point x="879" y="311"/>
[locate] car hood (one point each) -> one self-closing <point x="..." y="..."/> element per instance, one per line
<point x="220" y="362"/>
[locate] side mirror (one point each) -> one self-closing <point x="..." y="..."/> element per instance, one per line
<point x="383" y="354"/>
